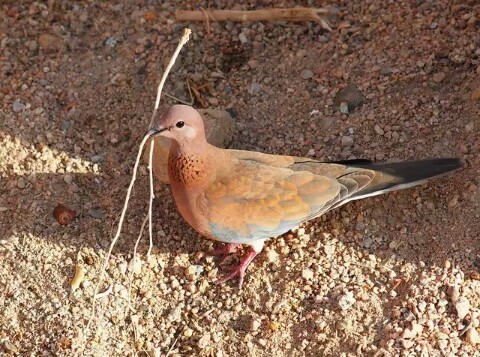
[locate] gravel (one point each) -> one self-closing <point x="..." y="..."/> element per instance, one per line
<point x="390" y="275"/>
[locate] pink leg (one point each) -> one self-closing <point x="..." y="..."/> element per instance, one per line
<point x="239" y="270"/>
<point x="225" y="250"/>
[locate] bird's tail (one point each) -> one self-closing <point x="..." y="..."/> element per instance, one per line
<point x="400" y="175"/>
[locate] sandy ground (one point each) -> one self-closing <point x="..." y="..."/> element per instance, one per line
<point x="395" y="275"/>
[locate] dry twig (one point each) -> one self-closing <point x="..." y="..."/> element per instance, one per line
<point x="182" y="41"/>
<point x="289" y="14"/>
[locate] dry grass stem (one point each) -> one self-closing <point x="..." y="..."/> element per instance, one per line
<point x="103" y="269"/>
<point x="150" y="203"/>
<point x="289" y="14"/>
<point x="130" y="274"/>
<point x="183" y="41"/>
<point x="117" y="235"/>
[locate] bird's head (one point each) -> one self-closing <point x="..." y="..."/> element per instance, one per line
<point x="181" y="123"/>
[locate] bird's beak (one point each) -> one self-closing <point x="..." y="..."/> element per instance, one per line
<point x="155" y="131"/>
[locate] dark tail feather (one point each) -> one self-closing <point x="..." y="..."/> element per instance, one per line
<point x="404" y="174"/>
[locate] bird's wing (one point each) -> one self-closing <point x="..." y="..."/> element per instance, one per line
<point x="257" y="199"/>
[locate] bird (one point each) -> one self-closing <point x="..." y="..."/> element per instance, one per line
<point x="243" y="197"/>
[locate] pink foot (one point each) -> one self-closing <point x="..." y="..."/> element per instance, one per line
<point x="225" y="250"/>
<point x="239" y="270"/>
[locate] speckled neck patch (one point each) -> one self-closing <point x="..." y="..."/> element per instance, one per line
<point x="186" y="168"/>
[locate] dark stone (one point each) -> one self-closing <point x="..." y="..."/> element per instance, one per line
<point x="350" y="95"/>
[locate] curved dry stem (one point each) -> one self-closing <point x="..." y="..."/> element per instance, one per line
<point x="117" y="235"/>
<point x="183" y="40"/>
<point x="152" y="196"/>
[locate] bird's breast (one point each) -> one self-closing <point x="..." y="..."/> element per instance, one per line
<point x="186" y="175"/>
<point x="187" y="170"/>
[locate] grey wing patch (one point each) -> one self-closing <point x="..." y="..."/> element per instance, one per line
<point x="350" y="184"/>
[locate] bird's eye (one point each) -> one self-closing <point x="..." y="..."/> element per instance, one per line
<point x="180" y="124"/>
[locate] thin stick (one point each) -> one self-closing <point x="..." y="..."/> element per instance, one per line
<point x="288" y="14"/>
<point x="183" y="40"/>
<point x="130" y="273"/>
<point x="117" y="235"/>
<point x="152" y="197"/>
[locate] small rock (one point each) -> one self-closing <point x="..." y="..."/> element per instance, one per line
<point x="347" y="141"/>
<point x="97" y="159"/>
<point x="96" y="213"/>
<point x="454" y="292"/>
<point x="387" y="71"/>
<point x="10" y="347"/>
<point x="17" y="106"/>
<point x="413" y="332"/>
<point x="469" y="127"/>
<point x="122" y="267"/>
<point x="253" y="88"/>
<point x="256" y="323"/>
<point x="213" y="101"/>
<point x="68" y="179"/>
<point x="463" y="307"/>
<point x="175" y="284"/>
<point x="306" y="74"/>
<point x="343" y="108"/>
<point x="243" y="39"/>
<point x="438" y="77"/>
<point x="307" y="274"/>
<point x="475" y="95"/>
<point x="252" y="64"/>
<point x="407" y="344"/>
<point x="350" y="95"/>
<point x="453" y="201"/>
<point x="32" y="45"/>
<point x="367" y="242"/>
<point x="347" y="301"/>
<point x="197" y="77"/>
<point x="188" y="332"/>
<point x="49" y="42"/>
<point x="111" y="42"/>
<point x="378" y="130"/>
<point x="204" y="341"/>
<point x="472" y="336"/>
<point x="21" y="183"/>
<point x="422" y="305"/>
<point x="135" y="266"/>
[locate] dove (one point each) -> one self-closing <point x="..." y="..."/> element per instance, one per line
<point x="244" y="197"/>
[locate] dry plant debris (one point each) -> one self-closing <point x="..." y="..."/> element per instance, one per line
<point x="275" y="14"/>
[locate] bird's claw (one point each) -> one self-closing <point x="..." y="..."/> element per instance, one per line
<point x="239" y="270"/>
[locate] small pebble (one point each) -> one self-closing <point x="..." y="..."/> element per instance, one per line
<point x="306" y="74"/>
<point x="475" y="95"/>
<point x="438" y="77"/>
<point x="204" y="341"/>
<point x="347" y="141"/>
<point x="347" y="301"/>
<point x="96" y="213"/>
<point x="307" y="274"/>
<point x="243" y="39"/>
<point x="17" y="106"/>
<point x="462" y="306"/>
<point x="472" y="336"/>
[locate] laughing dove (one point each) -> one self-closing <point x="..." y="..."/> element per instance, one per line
<point x="244" y="197"/>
